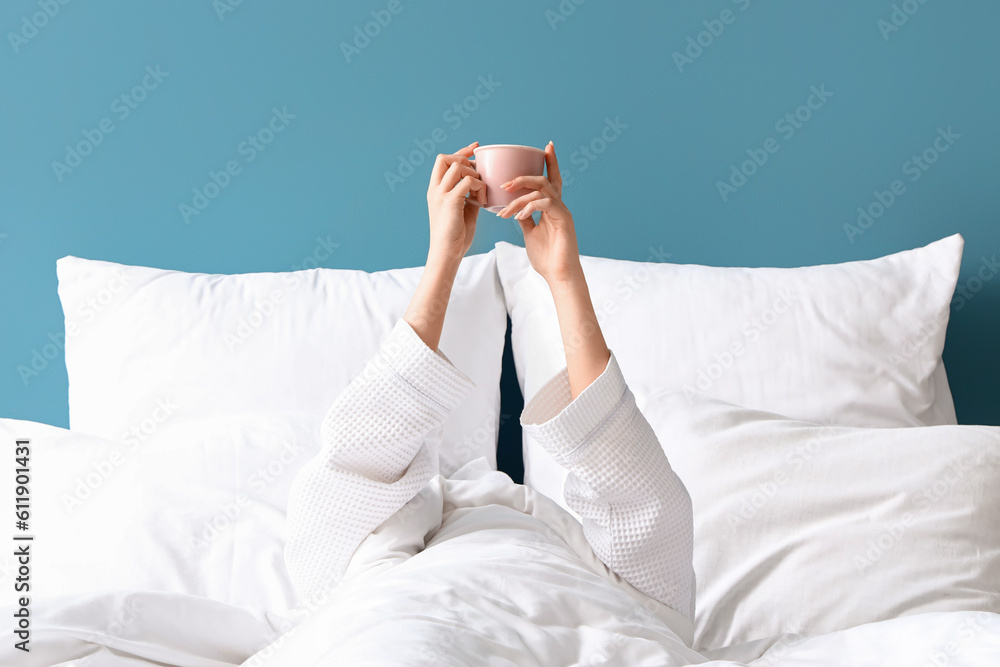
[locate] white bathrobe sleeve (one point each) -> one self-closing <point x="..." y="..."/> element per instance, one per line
<point x="636" y="511"/>
<point x="373" y="458"/>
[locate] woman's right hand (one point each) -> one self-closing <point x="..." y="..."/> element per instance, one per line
<point x="454" y="196"/>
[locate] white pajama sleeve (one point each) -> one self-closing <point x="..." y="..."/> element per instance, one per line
<point x="636" y="511"/>
<point x="373" y="459"/>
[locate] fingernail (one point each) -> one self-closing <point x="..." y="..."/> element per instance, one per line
<point x="507" y="184"/>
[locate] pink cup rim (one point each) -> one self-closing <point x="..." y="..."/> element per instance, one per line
<point x="530" y="148"/>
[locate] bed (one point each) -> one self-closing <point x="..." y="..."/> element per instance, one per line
<point x="842" y="516"/>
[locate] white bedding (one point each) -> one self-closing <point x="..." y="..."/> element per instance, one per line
<point x="542" y="599"/>
<point x="172" y="554"/>
<point x="187" y="631"/>
<point x="128" y="627"/>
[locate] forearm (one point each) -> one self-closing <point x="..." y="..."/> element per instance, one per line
<point x="587" y="352"/>
<point x="427" y="308"/>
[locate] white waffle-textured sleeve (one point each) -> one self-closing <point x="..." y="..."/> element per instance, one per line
<point x="636" y="511"/>
<point x="373" y="459"/>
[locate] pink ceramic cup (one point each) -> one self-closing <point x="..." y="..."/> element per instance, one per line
<point x="499" y="163"/>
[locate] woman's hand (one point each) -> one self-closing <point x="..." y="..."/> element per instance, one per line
<point x="551" y="244"/>
<point x="454" y="197"/>
<point x="552" y="250"/>
<point x="453" y="211"/>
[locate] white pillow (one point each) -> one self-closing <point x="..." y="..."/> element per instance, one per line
<point x="146" y="345"/>
<point x="807" y="528"/>
<point x="199" y="507"/>
<point x="857" y="344"/>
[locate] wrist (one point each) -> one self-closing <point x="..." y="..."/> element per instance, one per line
<point x="445" y="261"/>
<point x="567" y="280"/>
<point x="427" y="308"/>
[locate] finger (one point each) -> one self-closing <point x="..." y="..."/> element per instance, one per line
<point x="455" y="173"/>
<point x="537" y="205"/>
<point x="475" y="197"/>
<point x="465" y="186"/>
<point x="468" y="150"/>
<point x="468" y="190"/>
<point x="539" y="183"/>
<point x="441" y="166"/>
<point x="518" y="204"/>
<point x="450" y="177"/>
<point x="552" y="167"/>
<point x="445" y="160"/>
<point x="527" y="225"/>
<point x="480" y="198"/>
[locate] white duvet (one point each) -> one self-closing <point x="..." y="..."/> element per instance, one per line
<point x="510" y="580"/>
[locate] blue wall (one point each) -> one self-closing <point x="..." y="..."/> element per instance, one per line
<point x="552" y="73"/>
